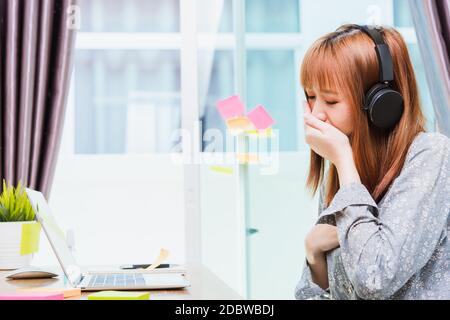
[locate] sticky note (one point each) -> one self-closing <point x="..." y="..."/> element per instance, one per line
<point x="33" y="296"/>
<point x="67" y="292"/>
<point x="119" y="295"/>
<point x="247" y="157"/>
<point x="230" y="107"/>
<point x="261" y="133"/>
<point x="260" y="118"/>
<point x="163" y="254"/>
<point x="30" y="238"/>
<point x="226" y="170"/>
<point x="239" y="123"/>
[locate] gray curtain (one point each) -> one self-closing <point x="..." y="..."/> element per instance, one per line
<point x="432" y="23"/>
<point x="37" y="46"/>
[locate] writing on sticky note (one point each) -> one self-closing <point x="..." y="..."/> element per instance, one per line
<point x="30" y="238"/>
<point x="119" y="295"/>
<point x="230" y="107"/>
<point x="260" y="118"/>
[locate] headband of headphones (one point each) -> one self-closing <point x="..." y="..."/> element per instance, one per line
<point x="383" y="54"/>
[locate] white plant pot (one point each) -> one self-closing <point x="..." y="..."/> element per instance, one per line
<point x="10" y="246"/>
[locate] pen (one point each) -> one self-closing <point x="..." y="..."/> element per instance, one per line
<point x="143" y="266"/>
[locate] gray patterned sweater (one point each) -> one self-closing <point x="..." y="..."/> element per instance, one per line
<point x="398" y="248"/>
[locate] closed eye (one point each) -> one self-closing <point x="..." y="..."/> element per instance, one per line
<point x="331" y="102"/>
<point x="310" y="97"/>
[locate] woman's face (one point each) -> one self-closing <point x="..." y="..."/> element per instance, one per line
<point x="330" y="106"/>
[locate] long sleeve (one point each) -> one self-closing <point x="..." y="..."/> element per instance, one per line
<point x="306" y="289"/>
<point x="383" y="247"/>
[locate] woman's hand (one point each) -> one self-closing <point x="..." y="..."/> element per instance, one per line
<point x="321" y="238"/>
<point x="331" y="144"/>
<point x="325" y="139"/>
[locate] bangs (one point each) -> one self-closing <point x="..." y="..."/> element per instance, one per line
<point x="322" y="69"/>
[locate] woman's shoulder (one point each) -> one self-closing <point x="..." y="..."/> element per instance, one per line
<point x="434" y="143"/>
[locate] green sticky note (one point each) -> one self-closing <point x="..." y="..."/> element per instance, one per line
<point x="220" y="169"/>
<point x="119" y="295"/>
<point x="30" y="238"/>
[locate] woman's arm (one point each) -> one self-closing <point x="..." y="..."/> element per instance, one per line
<point x="321" y="239"/>
<point x="319" y="270"/>
<point x="313" y="283"/>
<point x="346" y="169"/>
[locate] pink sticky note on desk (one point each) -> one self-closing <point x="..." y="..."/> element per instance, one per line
<point x="33" y="296"/>
<point x="230" y="107"/>
<point x="260" y="118"/>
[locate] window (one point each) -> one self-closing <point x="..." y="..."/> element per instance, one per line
<point x="115" y="185"/>
<point x="127" y="77"/>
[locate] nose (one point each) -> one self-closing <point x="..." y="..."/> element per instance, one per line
<point x="319" y="111"/>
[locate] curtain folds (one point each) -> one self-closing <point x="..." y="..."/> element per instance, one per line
<point x="37" y="45"/>
<point x="432" y="24"/>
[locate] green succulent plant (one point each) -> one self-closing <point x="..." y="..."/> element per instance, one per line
<point x="14" y="204"/>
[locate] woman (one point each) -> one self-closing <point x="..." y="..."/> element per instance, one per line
<point x="383" y="226"/>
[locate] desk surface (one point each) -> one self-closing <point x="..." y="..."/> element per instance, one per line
<point x="204" y="285"/>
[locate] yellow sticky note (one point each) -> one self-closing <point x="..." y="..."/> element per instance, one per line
<point x="260" y="133"/>
<point x="247" y="157"/>
<point x="226" y="170"/>
<point x="239" y="123"/>
<point x="30" y="238"/>
<point x="119" y="295"/>
<point x="68" y="292"/>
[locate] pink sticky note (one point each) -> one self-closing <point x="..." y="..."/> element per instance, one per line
<point x="260" y="118"/>
<point x="33" y="296"/>
<point x="230" y="107"/>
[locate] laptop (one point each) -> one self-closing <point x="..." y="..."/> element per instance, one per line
<point x="95" y="280"/>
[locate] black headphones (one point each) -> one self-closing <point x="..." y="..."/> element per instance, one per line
<point x="383" y="104"/>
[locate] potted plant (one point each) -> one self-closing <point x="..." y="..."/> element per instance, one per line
<point x="19" y="232"/>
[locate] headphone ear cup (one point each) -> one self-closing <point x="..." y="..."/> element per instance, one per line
<point x="370" y="95"/>
<point x="385" y="107"/>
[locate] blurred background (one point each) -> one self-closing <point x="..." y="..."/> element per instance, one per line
<point x="116" y="189"/>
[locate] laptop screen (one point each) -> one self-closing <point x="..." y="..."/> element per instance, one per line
<point x="55" y="236"/>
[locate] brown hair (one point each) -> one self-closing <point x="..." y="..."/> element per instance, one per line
<point x="345" y="60"/>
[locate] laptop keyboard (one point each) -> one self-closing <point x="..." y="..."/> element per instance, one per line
<point x="116" y="280"/>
